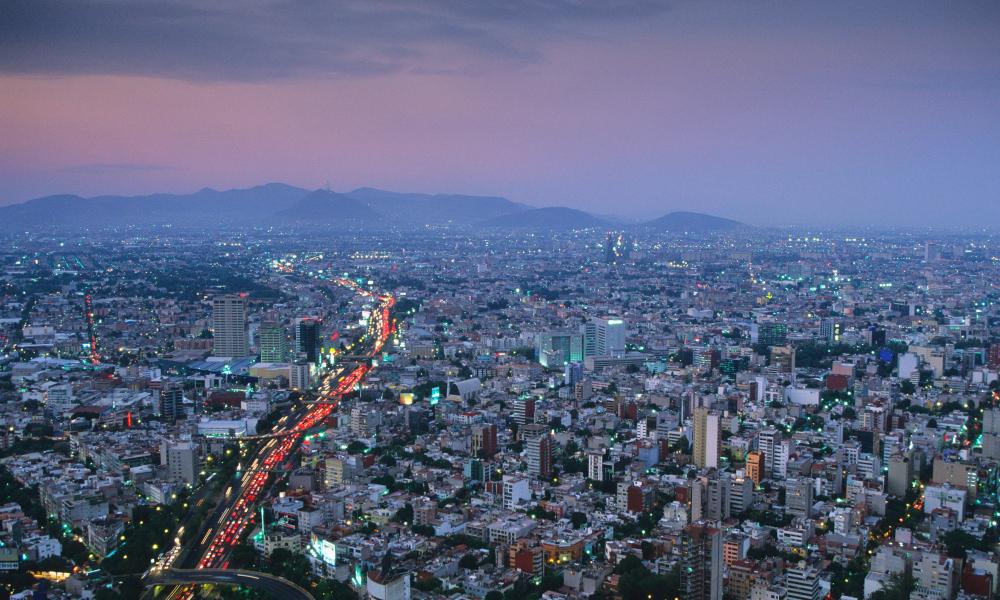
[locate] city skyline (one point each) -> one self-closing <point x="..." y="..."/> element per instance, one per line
<point x="847" y="114"/>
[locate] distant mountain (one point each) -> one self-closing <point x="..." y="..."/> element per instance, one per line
<point x="435" y="209"/>
<point x="201" y="209"/>
<point x="326" y="208"/>
<point x="692" y="221"/>
<point x="557" y="217"/>
<point x="255" y="206"/>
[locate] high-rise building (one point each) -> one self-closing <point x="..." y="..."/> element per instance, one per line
<point x="179" y="458"/>
<point x="229" y="324"/>
<point x="701" y="562"/>
<point x="772" y="334"/>
<point x="604" y="337"/>
<point x="830" y="330"/>
<point x="307" y="339"/>
<point x="171" y="402"/>
<point x="740" y="493"/>
<point x="273" y="345"/>
<point x="617" y="248"/>
<point x="717" y="497"/>
<point x="555" y="349"/>
<point x="524" y="410"/>
<point x="900" y="475"/>
<point x="484" y="441"/>
<point x="538" y="444"/>
<point x="595" y="465"/>
<point x="993" y="356"/>
<point x="802" y="582"/>
<point x="799" y="497"/>
<point x="767" y="443"/>
<point x="298" y="375"/>
<point x="782" y="450"/>
<point x="707" y="441"/>
<point x="755" y="466"/>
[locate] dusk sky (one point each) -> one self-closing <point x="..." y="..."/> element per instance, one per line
<point x="769" y="112"/>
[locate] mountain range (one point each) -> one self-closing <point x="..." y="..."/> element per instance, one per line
<point x="280" y="204"/>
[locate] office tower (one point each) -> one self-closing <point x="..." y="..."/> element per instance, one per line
<point x="273" y="346"/>
<point x="772" y="334"/>
<point x="538" y="444"/>
<point x="701" y="562"/>
<point x="178" y="457"/>
<point x="229" y="324"/>
<point x="604" y="337"/>
<point x="609" y="249"/>
<point x="768" y="441"/>
<point x="799" y="497"/>
<point x="554" y="349"/>
<point x="932" y="252"/>
<point x="484" y="441"/>
<point x="307" y="339"/>
<point x="171" y="402"/>
<point x="802" y="582"/>
<point x="755" y="466"/>
<point x="707" y="441"/>
<point x="830" y="331"/>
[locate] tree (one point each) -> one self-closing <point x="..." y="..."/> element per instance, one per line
<point x="469" y="561"/>
<point x="899" y="587"/>
<point x="578" y="519"/>
<point x="356" y="447"/>
<point x="404" y="515"/>
<point x="331" y="589"/>
<point x="244" y="556"/>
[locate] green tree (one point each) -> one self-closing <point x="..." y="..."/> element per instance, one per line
<point x="469" y="561"/>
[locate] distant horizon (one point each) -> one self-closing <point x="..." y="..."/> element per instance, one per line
<point x="847" y="113"/>
<point x="625" y="220"/>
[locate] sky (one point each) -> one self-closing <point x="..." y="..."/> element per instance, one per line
<point x="771" y="112"/>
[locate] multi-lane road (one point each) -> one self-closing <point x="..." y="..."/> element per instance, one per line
<point x="240" y="503"/>
<point x="276" y="586"/>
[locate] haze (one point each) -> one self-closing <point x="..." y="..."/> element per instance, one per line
<point x="832" y="113"/>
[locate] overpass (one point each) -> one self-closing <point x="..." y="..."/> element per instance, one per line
<point x="275" y="586"/>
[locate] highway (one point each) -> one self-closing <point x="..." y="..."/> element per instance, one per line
<point x="241" y="513"/>
<point x="276" y="586"/>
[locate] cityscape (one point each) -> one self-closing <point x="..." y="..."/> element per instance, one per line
<point x="499" y="300"/>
